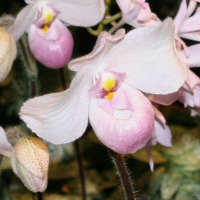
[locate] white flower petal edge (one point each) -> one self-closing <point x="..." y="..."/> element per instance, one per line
<point x="6" y="148"/>
<point x="78" y="12"/>
<point x="23" y="20"/>
<point x="61" y="117"/>
<point x="149" y="54"/>
<point x="146" y="53"/>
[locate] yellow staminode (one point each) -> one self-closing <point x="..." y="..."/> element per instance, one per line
<point x="110" y="95"/>
<point x="48" y="17"/>
<point x="109" y="84"/>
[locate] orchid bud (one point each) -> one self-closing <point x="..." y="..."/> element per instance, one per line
<point x="8" y="51"/>
<point x="30" y="161"/>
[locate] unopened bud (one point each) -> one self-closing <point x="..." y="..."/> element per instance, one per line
<point x="30" y="161"/>
<point x="8" y="51"/>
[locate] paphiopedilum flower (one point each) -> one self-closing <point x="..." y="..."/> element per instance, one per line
<point x="8" y="51"/>
<point x="49" y="39"/>
<point x="107" y="82"/>
<point x="137" y="13"/>
<point x="29" y="160"/>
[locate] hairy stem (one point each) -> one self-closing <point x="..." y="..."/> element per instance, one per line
<point x="119" y="161"/>
<point x="76" y="143"/>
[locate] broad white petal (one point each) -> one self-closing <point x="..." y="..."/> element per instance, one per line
<point x="6" y="148"/>
<point x="61" y="117"/>
<point x="103" y="45"/>
<point x="23" y="20"/>
<point x="148" y="57"/>
<point x="129" y="127"/>
<point x="78" y="12"/>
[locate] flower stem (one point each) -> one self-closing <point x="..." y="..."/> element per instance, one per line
<point x="96" y="32"/>
<point x="76" y="143"/>
<point x="118" y="25"/>
<point x="112" y="18"/>
<point x="119" y="161"/>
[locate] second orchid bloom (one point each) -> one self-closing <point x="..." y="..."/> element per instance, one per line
<point x="49" y="39"/>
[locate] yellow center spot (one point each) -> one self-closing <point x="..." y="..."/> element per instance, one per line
<point x="45" y="28"/>
<point x="109" y="84"/>
<point x="48" y="17"/>
<point x="110" y="95"/>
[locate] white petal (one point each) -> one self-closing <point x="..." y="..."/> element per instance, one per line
<point x="103" y="45"/>
<point x="5" y="147"/>
<point x="163" y="134"/>
<point x="78" y="12"/>
<point x="23" y="20"/>
<point x="61" y="117"/>
<point x="148" y="57"/>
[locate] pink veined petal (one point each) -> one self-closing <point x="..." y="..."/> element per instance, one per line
<point x="103" y="45"/>
<point x="149" y="54"/>
<point x="191" y="35"/>
<point x="6" y="148"/>
<point x="163" y="133"/>
<point x="191" y="24"/>
<point x="163" y="99"/>
<point x="194" y="59"/>
<point x="79" y="12"/>
<point x="53" y="49"/>
<point x="61" y="117"/>
<point x="180" y="16"/>
<point x="128" y="128"/>
<point x="24" y="19"/>
<point x="191" y="8"/>
<point x="192" y="79"/>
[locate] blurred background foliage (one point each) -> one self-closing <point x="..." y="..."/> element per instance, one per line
<point x="177" y="169"/>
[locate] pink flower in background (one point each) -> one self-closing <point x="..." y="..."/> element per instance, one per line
<point x="190" y="91"/>
<point x="137" y="13"/>
<point x="49" y="39"/>
<point x="106" y="90"/>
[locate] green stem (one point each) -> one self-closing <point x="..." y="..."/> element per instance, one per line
<point x="118" y="25"/>
<point x="96" y="32"/>
<point x="119" y="161"/>
<point x="76" y="143"/>
<point x="112" y="18"/>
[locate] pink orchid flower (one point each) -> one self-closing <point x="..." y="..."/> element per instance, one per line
<point x="137" y="13"/>
<point x="106" y="90"/>
<point x="49" y="39"/>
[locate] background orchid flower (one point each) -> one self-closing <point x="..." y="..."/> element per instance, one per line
<point x="190" y="91"/>
<point x="63" y="117"/>
<point x="187" y="26"/>
<point x="49" y="39"/>
<point x="137" y="13"/>
<point x="29" y="160"/>
<point x="8" y="51"/>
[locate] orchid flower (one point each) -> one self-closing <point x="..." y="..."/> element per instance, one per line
<point x="29" y="160"/>
<point x="8" y="51"/>
<point x="49" y="39"/>
<point x="137" y="13"/>
<point x="190" y="91"/>
<point x="106" y="90"/>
